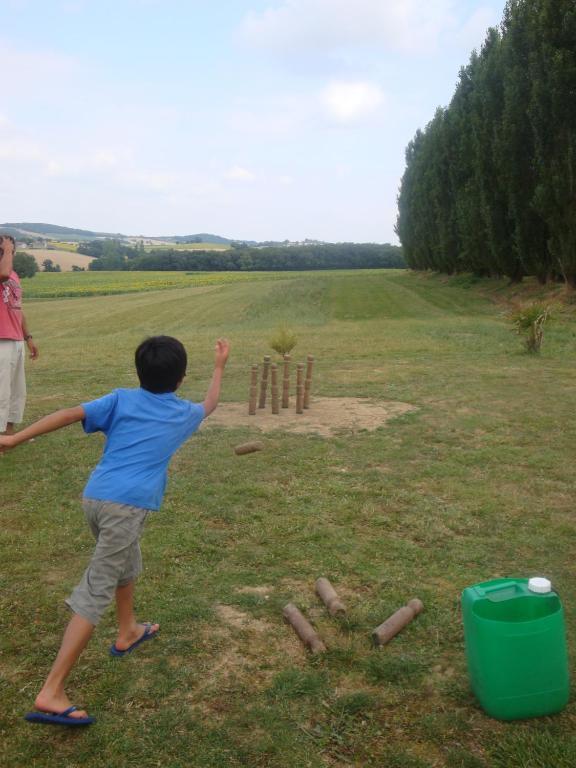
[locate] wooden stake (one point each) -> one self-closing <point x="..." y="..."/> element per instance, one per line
<point x="308" y="382"/>
<point x="286" y="383"/>
<point x="299" y="388"/>
<point x="390" y="628"/>
<point x="275" y="400"/>
<point x="327" y="594"/>
<point x="303" y="629"/>
<point x="264" y="382"/>
<point x="253" y="390"/>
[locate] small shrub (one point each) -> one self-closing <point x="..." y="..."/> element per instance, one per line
<point x="529" y="321"/>
<point x="283" y="341"/>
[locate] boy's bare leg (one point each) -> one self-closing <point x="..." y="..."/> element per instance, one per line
<point x="52" y="697"/>
<point x="9" y="429"/>
<point x="128" y="630"/>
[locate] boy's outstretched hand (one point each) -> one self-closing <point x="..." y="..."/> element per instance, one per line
<point x="6" y="442"/>
<point x="221" y="352"/>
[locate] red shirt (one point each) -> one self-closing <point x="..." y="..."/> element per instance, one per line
<point x="11" y="308"/>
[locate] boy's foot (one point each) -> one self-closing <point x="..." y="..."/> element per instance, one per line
<point x="124" y="645"/>
<point x="58" y="705"/>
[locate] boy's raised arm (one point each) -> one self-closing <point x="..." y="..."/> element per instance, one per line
<point x="49" y="423"/>
<point x="221" y="352"/>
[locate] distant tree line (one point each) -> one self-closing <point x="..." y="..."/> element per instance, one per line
<point x="490" y="184"/>
<point x="116" y="256"/>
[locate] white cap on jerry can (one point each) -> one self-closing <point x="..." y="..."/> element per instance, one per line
<point x="540" y="585"/>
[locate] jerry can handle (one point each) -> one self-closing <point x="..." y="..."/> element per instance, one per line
<point x="495" y="591"/>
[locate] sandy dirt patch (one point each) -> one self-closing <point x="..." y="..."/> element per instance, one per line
<point x="326" y="416"/>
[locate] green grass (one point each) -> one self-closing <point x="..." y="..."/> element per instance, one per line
<point x="476" y="484"/>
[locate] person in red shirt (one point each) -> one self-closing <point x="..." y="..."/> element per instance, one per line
<point x="14" y="334"/>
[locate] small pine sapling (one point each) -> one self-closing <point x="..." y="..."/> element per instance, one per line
<point x="283" y="341"/>
<point x="529" y="322"/>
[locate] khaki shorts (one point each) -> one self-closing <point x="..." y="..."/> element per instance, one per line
<point x="117" y="559"/>
<point x="12" y="382"/>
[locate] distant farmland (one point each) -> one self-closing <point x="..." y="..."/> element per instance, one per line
<point x="186" y="247"/>
<point x="66" y="259"/>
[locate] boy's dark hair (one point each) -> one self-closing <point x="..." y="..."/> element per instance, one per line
<point x="161" y="364"/>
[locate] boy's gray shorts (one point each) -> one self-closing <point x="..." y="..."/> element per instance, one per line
<point x="117" y="559"/>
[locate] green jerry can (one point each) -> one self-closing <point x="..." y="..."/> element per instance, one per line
<point x="516" y="647"/>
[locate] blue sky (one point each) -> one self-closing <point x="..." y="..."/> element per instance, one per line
<point x="253" y="119"/>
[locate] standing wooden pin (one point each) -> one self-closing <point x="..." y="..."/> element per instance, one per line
<point x="308" y="382"/>
<point x="253" y="390"/>
<point x="275" y="399"/>
<point x="286" y="383"/>
<point x="300" y="388"/>
<point x="264" y="382"/>
<point x="390" y="628"/>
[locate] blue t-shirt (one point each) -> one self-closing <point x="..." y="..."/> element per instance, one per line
<point x="143" y="431"/>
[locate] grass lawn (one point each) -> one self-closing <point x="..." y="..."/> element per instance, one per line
<point x="477" y="483"/>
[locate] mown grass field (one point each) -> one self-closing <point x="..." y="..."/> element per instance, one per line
<point x="476" y="484"/>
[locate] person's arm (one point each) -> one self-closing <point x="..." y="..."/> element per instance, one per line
<point x="7" y="260"/>
<point x="221" y="352"/>
<point x="32" y="348"/>
<point x="49" y="423"/>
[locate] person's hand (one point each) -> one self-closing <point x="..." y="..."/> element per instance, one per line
<point x="6" y="245"/>
<point x="33" y="349"/>
<point x="221" y="352"/>
<point x="6" y="442"/>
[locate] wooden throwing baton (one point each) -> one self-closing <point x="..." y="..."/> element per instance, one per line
<point x="390" y="628"/>
<point x="303" y="628"/>
<point x="327" y="594"/>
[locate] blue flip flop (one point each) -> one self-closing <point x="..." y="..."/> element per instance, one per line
<point x="148" y="635"/>
<point x="62" y="718"/>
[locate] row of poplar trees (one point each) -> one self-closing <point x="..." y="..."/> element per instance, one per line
<point x="490" y="185"/>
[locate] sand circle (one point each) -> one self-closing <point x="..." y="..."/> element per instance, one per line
<point x="326" y="416"/>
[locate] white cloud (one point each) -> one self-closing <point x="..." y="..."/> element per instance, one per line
<point x="273" y="118"/>
<point x="238" y="173"/>
<point x="32" y="71"/>
<point x="148" y="181"/>
<point x="350" y="101"/>
<point x="53" y="168"/>
<point x="15" y="148"/>
<point x="297" y="25"/>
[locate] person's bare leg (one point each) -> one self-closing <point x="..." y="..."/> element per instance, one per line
<point x="128" y="630"/>
<point x="52" y="697"/>
<point x="9" y="429"/>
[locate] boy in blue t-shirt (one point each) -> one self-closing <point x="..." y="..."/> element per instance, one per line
<point x="143" y="427"/>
